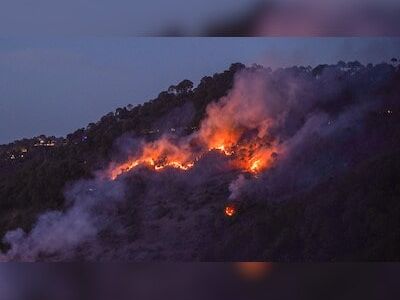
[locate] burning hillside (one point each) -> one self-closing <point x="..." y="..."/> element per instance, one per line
<point x="252" y="155"/>
<point x="237" y="126"/>
<point x="277" y="168"/>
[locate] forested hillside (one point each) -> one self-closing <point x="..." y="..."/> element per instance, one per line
<point x="332" y="194"/>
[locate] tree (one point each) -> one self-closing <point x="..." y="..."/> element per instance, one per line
<point x="236" y="67"/>
<point x="90" y="126"/>
<point x="318" y="69"/>
<point x="184" y="86"/>
<point x="172" y="89"/>
<point x="163" y="95"/>
<point x="341" y="64"/>
<point x="121" y="112"/>
<point x="354" y="65"/>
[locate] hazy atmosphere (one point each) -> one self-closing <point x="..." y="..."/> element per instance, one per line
<point x="244" y="149"/>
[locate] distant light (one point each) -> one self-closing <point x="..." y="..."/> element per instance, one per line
<point x="254" y="270"/>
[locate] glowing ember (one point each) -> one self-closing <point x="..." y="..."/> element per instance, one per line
<point x="230" y="210"/>
<point x="254" y="270"/>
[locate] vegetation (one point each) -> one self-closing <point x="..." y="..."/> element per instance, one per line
<point x="355" y="216"/>
<point x="35" y="183"/>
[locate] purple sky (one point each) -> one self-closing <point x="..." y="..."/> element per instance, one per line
<point x="116" y="17"/>
<point x="56" y="85"/>
<point x="138" y="18"/>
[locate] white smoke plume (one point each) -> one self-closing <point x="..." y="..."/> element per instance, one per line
<point x="297" y="123"/>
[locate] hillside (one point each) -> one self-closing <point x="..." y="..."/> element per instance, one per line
<point x="334" y="196"/>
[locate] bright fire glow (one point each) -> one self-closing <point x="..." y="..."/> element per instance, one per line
<point x="223" y="149"/>
<point x="236" y="127"/>
<point x="157" y="155"/>
<point x="255" y="165"/>
<point x="230" y="210"/>
<point x="163" y="154"/>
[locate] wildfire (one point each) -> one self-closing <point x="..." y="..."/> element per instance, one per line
<point x="176" y="165"/>
<point x="252" y="156"/>
<point x="158" y="155"/>
<point x="237" y="127"/>
<point x="161" y="157"/>
<point x="230" y="210"/>
<point x="223" y="149"/>
<point x="126" y="167"/>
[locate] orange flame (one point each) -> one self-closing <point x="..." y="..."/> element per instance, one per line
<point x="230" y="210"/>
<point x="235" y="126"/>
<point x="157" y="155"/>
<point x="162" y="154"/>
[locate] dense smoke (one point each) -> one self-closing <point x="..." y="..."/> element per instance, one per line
<point x="90" y="206"/>
<point x="273" y="135"/>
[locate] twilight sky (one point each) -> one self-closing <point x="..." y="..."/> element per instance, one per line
<point x="149" y="17"/>
<point x="55" y="85"/>
<point x="116" y="17"/>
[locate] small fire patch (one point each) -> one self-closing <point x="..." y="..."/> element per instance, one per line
<point x="230" y="210"/>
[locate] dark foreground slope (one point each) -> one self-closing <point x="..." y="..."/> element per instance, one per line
<point x="335" y="198"/>
<point x="35" y="182"/>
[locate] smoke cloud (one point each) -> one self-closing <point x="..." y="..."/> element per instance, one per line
<point x="273" y="135"/>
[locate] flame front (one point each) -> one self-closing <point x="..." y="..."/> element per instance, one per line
<point x="252" y="157"/>
<point x="237" y="127"/>
<point x="157" y="155"/>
